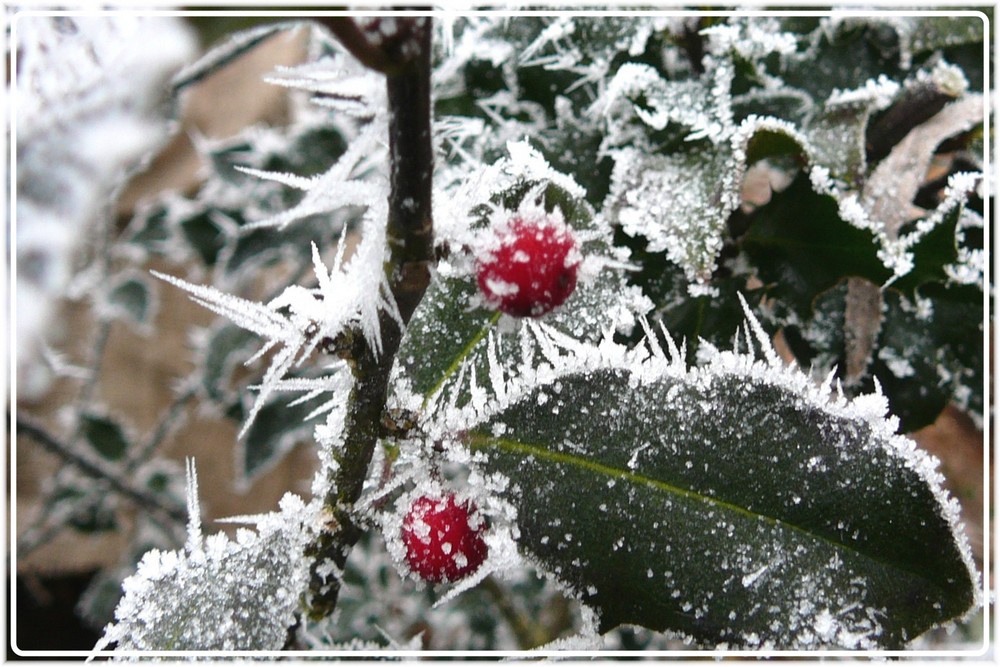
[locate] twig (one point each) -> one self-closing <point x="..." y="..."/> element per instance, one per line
<point x="99" y="470"/>
<point x="409" y="235"/>
<point x="529" y="635"/>
<point x="372" y="46"/>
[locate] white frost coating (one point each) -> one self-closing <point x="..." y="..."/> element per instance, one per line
<point x="751" y="39"/>
<point x="875" y="94"/>
<point x="218" y="594"/>
<point x="348" y="295"/>
<point x="649" y="363"/>
<point x="687" y="103"/>
<point x="946" y="77"/>
<point x="680" y="202"/>
<point x="194" y="510"/>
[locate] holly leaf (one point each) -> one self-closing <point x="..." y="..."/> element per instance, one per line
<point x="228" y="346"/>
<point x="452" y="326"/>
<point x="735" y="503"/>
<point x="926" y="362"/>
<point x="278" y="427"/>
<point x="132" y="298"/>
<point x="105" y="436"/>
<point x="802" y="247"/>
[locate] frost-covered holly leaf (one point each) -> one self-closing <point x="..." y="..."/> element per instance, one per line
<point x="226" y="347"/>
<point x="842" y="52"/>
<point x="838" y="137"/>
<point x="735" y="503"/>
<point x="675" y="201"/>
<point x="453" y="323"/>
<point x="217" y="594"/>
<point x="279" y="425"/>
<point x="926" y="360"/>
<point x="131" y="297"/>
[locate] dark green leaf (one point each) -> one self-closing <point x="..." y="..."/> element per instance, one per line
<point x="149" y="229"/>
<point x="228" y="347"/>
<point x="105" y="436"/>
<point x="205" y="236"/>
<point x="845" y="57"/>
<point x="132" y="298"/>
<point x="932" y="253"/>
<point x="730" y="510"/>
<point x="802" y="248"/>
<point x="277" y="428"/>
<point x="689" y="318"/>
<point x="264" y="246"/>
<point x="768" y="143"/>
<point x="925" y="363"/>
<point x="443" y="333"/>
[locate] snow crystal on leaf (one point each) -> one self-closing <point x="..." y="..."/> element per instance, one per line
<point x="218" y="594"/>
<point x="674" y="202"/>
<point x="686" y="103"/>
<point x="827" y="620"/>
<point x="875" y="95"/>
<point x="751" y="39"/>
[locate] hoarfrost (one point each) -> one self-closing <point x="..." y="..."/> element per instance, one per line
<point x="843" y="622"/>
<point x="297" y="320"/>
<point x="218" y="594"/>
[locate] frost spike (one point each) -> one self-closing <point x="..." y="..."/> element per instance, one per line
<point x="496" y="370"/>
<point x="281" y="363"/>
<point x="827" y="384"/>
<point x="651" y="342"/>
<point x="291" y="180"/>
<point x="765" y="343"/>
<point x="456" y="388"/>
<point x="677" y="357"/>
<point x="194" y="540"/>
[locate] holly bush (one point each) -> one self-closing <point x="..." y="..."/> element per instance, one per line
<point x="694" y="437"/>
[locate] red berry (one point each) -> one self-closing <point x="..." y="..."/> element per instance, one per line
<point x="533" y="270"/>
<point x="443" y="540"/>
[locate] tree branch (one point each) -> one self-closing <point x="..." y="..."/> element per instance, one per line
<point x="409" y="235"/>
<point x="99" y="470"/>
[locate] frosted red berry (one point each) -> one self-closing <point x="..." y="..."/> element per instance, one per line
<point x="443" y="539"/>
<point x="533" y="268"/>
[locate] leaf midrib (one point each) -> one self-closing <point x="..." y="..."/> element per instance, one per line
<point x="460" y="357"/>
<point x="481" y="441"/>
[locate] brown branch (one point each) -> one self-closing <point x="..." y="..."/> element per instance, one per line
<point x="376" y="43"/>
<point x="409" y="234"/>
<point x="98" y="470"/>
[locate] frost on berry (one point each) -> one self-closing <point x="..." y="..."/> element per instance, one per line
<point x="532" y="268"/>
<point x="443" y="538"/>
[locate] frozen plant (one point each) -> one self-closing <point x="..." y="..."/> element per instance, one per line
<point x="528" y="314"/>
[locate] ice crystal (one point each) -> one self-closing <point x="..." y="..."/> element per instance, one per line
<point x="218" y="594"/>
<point x="829" y="620"/>
<point x="299" y="319"/>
